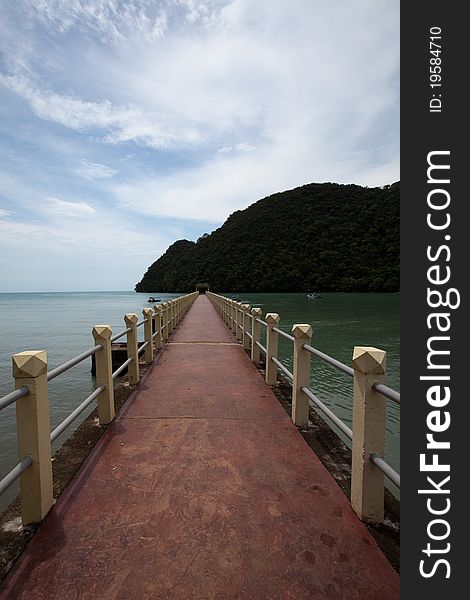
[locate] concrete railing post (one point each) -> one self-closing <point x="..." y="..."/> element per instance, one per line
<point x="148" y="335"/>
<point x="300" y="407"/>
<point x="272" y="340"/>
<point x="178" y="310"/>
<point x="104" y="373"/>
<point x="245" y="325"/>
<point x="235" y="317"/>
<point x="369" y="417"/>
<point x="132" y="348"/>
<point x="168" y="317"/>
<point x="238" y="320"/>
<point x="157" y="319"/>
<point x="171" y="310"/>
<point x="255" y="334"/>
<point x="34" y="434"/>
<point x="230" y="315"/>
<point x="165" y="321"/>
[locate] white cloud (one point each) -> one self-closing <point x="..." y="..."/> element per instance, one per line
<point x="113" y="20"/>
<point x="5" y="214"/>
<point x="242" y="147"/>
<point x="64" y="208"/>
<point x="251" y="74"/>
<point x="92" y="171"/>
<point x="123" y="123"/>
<point x="222" y="102"/>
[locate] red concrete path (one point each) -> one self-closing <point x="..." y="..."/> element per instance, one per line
<point x="202" y="489"/>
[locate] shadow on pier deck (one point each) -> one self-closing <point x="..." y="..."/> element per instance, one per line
<point x="202" y="488"/>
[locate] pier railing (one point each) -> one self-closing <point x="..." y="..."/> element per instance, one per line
<point x="370" y="394"/>
<point x="30" y="371"/>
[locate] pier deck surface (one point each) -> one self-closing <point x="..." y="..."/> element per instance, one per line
<point x="202" y="488"/>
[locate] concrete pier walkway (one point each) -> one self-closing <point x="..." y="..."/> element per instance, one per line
<point x="202" y="488"/>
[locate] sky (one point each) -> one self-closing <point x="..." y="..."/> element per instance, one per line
<point x="128" y="124"/>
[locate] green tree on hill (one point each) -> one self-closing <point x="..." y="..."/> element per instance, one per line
<point x="327" y="237"/>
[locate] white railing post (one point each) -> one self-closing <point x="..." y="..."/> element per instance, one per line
<point x="178" y="310"/>
<point x="245" y="323"/>
<point x="369" y="418"/>
<point x="165" y="320"/>
<point x="272" y="341"/>
<point x="171" y="314"/>
<point x="148" y="335"/>
<point x="34" y="434"/>
<point x="237" y="320"/>
<point x="255" y="334"/>
<point x="230" y="313"/>
<point x="104" y="373"/>
<point x="157" y="319"/>
<point x="132" y="348"/>
<point x="302" y="333"/>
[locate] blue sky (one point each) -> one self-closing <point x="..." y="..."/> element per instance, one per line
<point x="125" y="125"/>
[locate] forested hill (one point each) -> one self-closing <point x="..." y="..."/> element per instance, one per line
<point x="317" y="237"/>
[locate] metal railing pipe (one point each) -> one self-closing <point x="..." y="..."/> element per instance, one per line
<point x="72" y="362"/>
<point x="261" y="347"/>
<point x="13" y="396"/>
<point x="383" y="389"/>
<point x="73" y="415"/>
<point x="283" y="334"/>
<point x="15" y="473"/>
<point x="120" y="334"/>
<point x="330" y="360"/>
<point x="386" y="469"/>
<point x="120" y="369"/>
<point x="281" y="367"/>
<point x="142" y="348"/>
<point x="330" y="414"/>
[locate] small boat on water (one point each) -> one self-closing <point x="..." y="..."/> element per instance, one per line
<point x="152" y="299"/>
<point x="314" y="296"/>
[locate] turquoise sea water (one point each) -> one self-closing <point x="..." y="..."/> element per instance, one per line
<point x="61" y="323"/>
